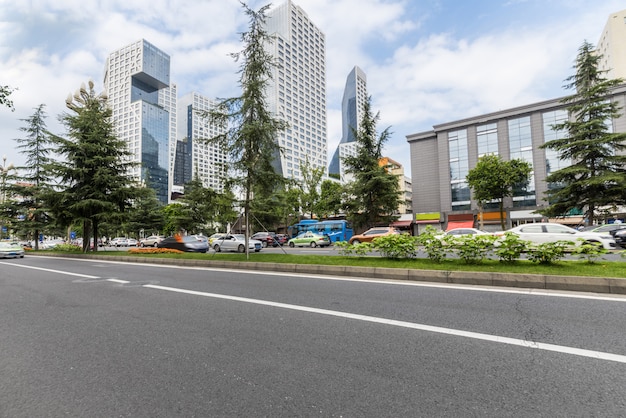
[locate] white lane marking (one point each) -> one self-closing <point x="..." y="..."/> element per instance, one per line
<point x="440" y="330"/>
<point x="474" y="288"/>
<point x="67" y="273"/>
<point x="118" y="281"/>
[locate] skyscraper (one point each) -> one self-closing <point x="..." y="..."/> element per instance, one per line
<point x="137" y="81"/>
<point x="297" y="93"/>
<point x="612" y="46"/>
<point x="195" y="157"/>
<point x="354" y="96"/>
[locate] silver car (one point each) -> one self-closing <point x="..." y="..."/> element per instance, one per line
<point x="11" y="250"/>
<point x="236" y="242"/>
<point x="542" y="232"/>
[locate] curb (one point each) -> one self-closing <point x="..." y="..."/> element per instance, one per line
<point x="528" y="281"/>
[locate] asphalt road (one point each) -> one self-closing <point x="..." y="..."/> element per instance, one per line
<point x="90" y="338"/>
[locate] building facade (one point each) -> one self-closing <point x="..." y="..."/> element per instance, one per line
<point x="612" y="46"/>
<point x="404" y="184"/>
<point x="143" y="101"/>
<point x="195" y="157"/>
<point x="297" y="91"/>
<point x="354" y="97"/>
<point x="441" y="159"/>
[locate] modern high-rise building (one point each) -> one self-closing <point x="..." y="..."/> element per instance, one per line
<point x="137" y="81"/>
<point x="297" y="93"/>
<point x="612" y="46"/>
<point x="195" y="157"/>
<point x="354" y="96"/>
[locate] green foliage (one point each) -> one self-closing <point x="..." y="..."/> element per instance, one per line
<point x="145" y="213"/>
<point x="374" y="194"/>
<point x="472" y="249"/>
<point x="433" y="244"/>
<point x="67" y="248"/>
<point x="330" y="202"/>
<point x="510" y="248"/>
<point x="589" y="251"/>
<point x="309" y="196"/>
<point x="494" y="179"/>
<point x="596" y="175"/>
<point x="547" y="252"/>
<point x="360" y="250"/>
<point x="93" y="166"/>
<point x="5" y="92"/>
<point x="396" y="246"/>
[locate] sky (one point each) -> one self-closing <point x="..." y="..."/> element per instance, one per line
<point x="427" y="62"/>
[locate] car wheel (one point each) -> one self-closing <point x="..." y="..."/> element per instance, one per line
<point x="216" y="247"/>
<point x="355" y="242"/>
<point x="264" y="243"/>
<point x="291" y="244"/>
<point x="312" y="244"/>
<point x="241" y="249"/>
<point x="156" y="244"/>
<point x="142" y="244"/>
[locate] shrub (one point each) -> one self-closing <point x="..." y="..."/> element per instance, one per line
<point x="360" y="250"/>
<point x="433" y="245"/>
<point x="590" y="251"/>
<point x="396" y="246"/>
<point x="510" y="248"/>
<point x="68" y="248"/>
<point x="471" y="248"/>
<point x="548" y="252"/>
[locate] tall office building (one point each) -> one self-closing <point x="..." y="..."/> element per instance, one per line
<point x="612" y="46"/>
<point x="137" y="81"/>
<point x="297" y="93"/>
<point x="194" y="157"/>
<point x="354" y="96"/>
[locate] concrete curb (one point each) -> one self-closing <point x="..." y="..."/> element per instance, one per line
<point x="530" y="281"/>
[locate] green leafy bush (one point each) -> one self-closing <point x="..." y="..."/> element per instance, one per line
<point x="548" y="252"/>
<point x="433" y="244"/>
<point x="396" y="246"/>
<point x="510" y="248"/>
<point x="472" y="249"/>
<point x="590" y="251"/>
<point x="360" y="250"/>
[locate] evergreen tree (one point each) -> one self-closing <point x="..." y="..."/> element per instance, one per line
<point x="249" y="137"/>
<point x="494" y="179"/>
<point x="374" y="192"/>
<point x="5" y="92"/>
<point x="146" y="213"/>
<point x="597" y="176"/>
<point x="95" y="166"/>
<point x="36" y="179"/>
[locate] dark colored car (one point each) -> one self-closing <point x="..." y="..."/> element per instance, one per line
<point x="620" y="237"/>
<point x="267" y="238"/>
<point x="187" y="243"/>
<point x="281" y="238"/>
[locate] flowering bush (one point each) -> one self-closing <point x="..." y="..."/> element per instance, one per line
<point x="151" y="250"/>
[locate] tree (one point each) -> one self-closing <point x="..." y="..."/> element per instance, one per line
<point x="596" y="176"/>
<point x="331" y="198"/>
<point x="494" y="179"/>
<point x="95" y="165"/>
<point x="5" y="92"/>
<point x="199" y="207"/>
<point x="36" y="177"/>
<point x="374" y="192"/>
<point x="309" y="196"/>
<point x="249" y="137"/>
<point x="146" y="213"/>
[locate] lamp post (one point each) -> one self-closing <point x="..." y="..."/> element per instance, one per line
<point x="4" y="172"/>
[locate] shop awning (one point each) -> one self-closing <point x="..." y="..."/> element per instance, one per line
<point x="401" y="224"/>
<point x="460" y="224"/>
<point x="430" y="221"/>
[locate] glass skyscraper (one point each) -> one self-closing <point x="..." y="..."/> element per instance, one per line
<point x="143" y="101"/>
<point x="354" y="96"/>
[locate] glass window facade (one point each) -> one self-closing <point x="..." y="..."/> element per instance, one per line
<point x="520" y="146"/>
<point x="459" y="167"/>
<point x="487" y="139"/>
<point x="155" y="149"/>
<point x="554" y="162"/>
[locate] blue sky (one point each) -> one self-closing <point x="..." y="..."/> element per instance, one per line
<point x="427" y="62"/>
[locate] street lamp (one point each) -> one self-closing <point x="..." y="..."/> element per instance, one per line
<point x="4" y="172"/>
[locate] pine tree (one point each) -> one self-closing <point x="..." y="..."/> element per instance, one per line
<point x="374" y="192"/>
<point x="250" y="130"/>
<point x="597" y="175"/>
<point x="95" y="166"/>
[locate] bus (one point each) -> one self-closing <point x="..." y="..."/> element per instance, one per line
<point x="337" y="230"/>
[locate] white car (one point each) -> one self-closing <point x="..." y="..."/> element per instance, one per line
<point x="540" y="233"/>
<point x="466" y="231"/>
<point x="236" y="242"/>
<point x="119" y="242"/>
<point x="11" y="250"/>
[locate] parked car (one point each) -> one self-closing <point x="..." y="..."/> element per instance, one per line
<point x="540" y="233"/>
<point x="281" y="239"/>
<point x="466" y="231"/>
<point x="620" y="237"/>
<point x="309" y="239"/>
<point x="119" y="242"/>
<point x="132" y="242"/>
<point x="187" y="243"/>
<point x="151" y="241"/>
<point x="11" y="250"/>
<point x="370" y="234"/>
<point x="266" y="238"/>
<point x="236" y="242"/>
